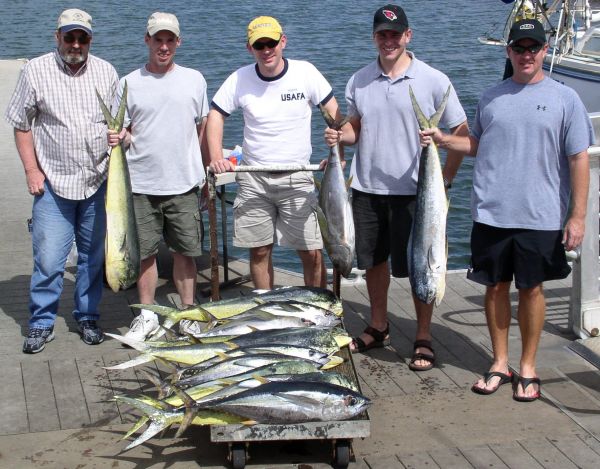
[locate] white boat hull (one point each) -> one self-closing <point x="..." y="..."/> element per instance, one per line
<point x="583" y="77"/>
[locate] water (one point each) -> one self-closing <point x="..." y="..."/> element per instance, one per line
<point x="333" y="35"/>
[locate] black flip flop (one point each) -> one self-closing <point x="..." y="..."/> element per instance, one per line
<point x="524" y="382"/>
<point x="504" y="379"/>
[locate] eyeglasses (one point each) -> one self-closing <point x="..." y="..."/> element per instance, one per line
<point x="531" y="49"/>
<point x="70" y="39"/>
<point x="271" y="44"/>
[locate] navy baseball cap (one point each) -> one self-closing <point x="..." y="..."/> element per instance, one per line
<point x="527" y="29"/>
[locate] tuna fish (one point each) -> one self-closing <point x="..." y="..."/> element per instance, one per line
<point x="334" y="212"/>
<point x="428" y="247"/>
<point x="122" y="248"/>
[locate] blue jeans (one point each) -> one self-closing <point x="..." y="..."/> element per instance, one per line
<point x="56" y="222"/>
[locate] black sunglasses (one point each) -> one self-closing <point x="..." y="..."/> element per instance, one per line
<point x="271" y="44"/>
<point x="70" y="39"/>
<point x="531" y="49"/>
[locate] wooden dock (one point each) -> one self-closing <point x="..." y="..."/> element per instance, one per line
<point x="56" y="409"/>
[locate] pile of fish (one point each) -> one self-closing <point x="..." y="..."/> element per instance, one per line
<point x="262" y="358"/>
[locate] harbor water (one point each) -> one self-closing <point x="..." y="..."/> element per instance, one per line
<point x="334" y="35"/>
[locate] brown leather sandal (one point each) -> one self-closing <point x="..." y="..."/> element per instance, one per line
<point x="430" y="357"/>
<point x="380" y="339"/>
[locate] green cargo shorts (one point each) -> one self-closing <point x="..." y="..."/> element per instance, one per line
<point x="174" y="218"/>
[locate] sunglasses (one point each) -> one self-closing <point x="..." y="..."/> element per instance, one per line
<point x="531" y="49"/>
<point x="271" y="44"/>
<point x="70" y="39"/>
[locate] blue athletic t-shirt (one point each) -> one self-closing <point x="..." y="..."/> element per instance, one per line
<point x="526" y="133"/>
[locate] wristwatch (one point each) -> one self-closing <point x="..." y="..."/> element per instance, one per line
<point x="447" y="184"/>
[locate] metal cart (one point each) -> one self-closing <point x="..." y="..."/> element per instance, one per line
<point x="340" y="433"/>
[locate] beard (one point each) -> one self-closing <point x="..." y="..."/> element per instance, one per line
<point x="73" y="58"/>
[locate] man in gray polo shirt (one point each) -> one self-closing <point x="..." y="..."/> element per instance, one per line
<point x="386" y="164"/>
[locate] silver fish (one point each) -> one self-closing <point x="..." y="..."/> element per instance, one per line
<point x="428" y="247"/>
<point x="334" y="212"/>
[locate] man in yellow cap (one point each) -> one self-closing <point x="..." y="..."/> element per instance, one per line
<point x="276" y="96"/>
<point x="60" y="139"/>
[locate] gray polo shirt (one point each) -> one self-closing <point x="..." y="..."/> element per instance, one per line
<point x="386" y="158"/>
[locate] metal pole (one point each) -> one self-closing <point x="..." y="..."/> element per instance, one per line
<point x="212" y="221"/>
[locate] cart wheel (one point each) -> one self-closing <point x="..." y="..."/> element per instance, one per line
<point x="342" y="454"/>
<point x="238" y="455"/>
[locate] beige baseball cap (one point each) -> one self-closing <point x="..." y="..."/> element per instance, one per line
<point x="159" y="21"/>
<point x="72" y="19"/>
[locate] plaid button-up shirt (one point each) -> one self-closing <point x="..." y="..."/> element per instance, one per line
<point x="69" y="130"/>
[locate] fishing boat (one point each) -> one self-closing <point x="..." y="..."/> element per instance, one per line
<point x="573" y="31"/>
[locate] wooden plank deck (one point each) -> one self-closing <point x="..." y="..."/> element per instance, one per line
<point x="57" y="411"/>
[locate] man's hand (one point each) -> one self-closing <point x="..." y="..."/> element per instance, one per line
<point x="221" y="166"/>
<point x="573" y="233"/>
<point x="428" y="136"/>
<point x="35" y="181"/>
<point x="332" y="136"/>
<point x="115" y="138"/>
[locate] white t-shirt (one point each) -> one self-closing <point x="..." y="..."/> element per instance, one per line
<point x="163" y="111"/>
<point x="277" y="110"/>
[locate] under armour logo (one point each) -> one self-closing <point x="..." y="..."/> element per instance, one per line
<point x="541" y="108"/>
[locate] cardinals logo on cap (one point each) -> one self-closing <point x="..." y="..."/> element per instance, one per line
<point x="390" y="15"/>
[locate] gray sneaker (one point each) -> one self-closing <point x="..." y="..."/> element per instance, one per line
<point x="189" y="327"/>
<point x="91" y="334"/>
<point x="37" y="338"/>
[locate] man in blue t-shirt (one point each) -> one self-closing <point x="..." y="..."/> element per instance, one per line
<point x="530" y="137"/>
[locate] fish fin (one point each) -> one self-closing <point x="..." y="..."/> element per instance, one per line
<point x="152" y="378"/>
<point x="155" y="427"/>
<point x="143" y="358"/>
<point x="222" y="355"/>
<point x="253" y="329"/>
<point x="334" y="361"/>
<point x="328" y="117"/>
<point x="231" y="345"/>
<point x="317" y="184"/>
<point x="136" y="427"/>
<point x="120" y="116"/>
<point x="105" y="112"/>
<point x="249" y="422"/>
<point x="188" y="418"/>
<point x="296" y="398"/>
<point x="421" y="119"/>
<point x="259" y="301"/>
<point x="136" y="344"/>
<point x="349" y="183"/>
<point x="261" y="379"/>
<point x="435" y="119"/>
<point x="322" y="224"/>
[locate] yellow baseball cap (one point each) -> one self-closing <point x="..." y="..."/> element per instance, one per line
<point x="264" y="26"/>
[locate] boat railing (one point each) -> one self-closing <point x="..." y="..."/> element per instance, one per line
<point x="584" y="308"/>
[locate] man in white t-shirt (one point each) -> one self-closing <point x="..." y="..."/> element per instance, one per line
<point x="167" y="107"/>
<point x="276" y="96"/>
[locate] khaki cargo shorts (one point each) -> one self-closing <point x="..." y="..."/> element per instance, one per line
<point x="174" y="218"/>
<point x="276" y="207"/>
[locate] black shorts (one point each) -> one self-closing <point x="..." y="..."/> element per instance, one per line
<point x="531" y="256"/>
<point x="382" y="224"/>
